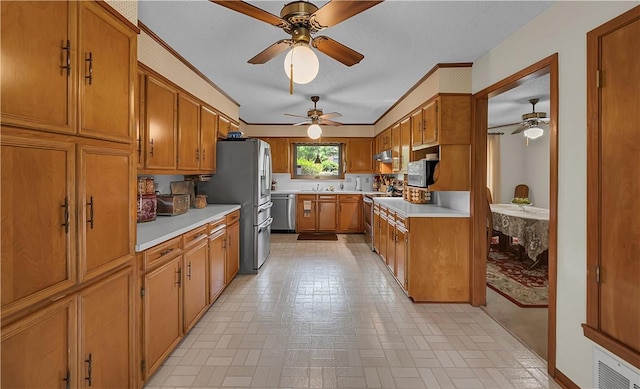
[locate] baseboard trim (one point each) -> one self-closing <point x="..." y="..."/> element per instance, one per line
<point x="564" y="381"/>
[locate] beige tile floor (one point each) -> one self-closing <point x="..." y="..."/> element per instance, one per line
<point x="324" y="314"/>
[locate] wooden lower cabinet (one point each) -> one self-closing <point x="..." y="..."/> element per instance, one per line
<point x="306" y="219"/>
<point x="376" y="227"/>
<point x="327" y="213"/>
<point x="194" y="279"/>
<point x="402" y="239"/>
<point x="161" y="324"/>
<point x="391" y="242"/>
<point x="82" y="340"/>
<point x="233" y="251"/>
<point x="350" y="213"/>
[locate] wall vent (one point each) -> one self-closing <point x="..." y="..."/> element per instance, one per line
<point x="609" y="373"/>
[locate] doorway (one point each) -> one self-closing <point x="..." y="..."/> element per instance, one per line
<point x="479" y="209"/>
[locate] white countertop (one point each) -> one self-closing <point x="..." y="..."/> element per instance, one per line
<point x="167" y="227"/>
<point x="307" y="191"/>
<point x="408" y="209"/>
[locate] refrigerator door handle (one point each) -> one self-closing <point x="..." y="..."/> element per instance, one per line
<point x="266" y="225"/>
<point x="264" y="207"/>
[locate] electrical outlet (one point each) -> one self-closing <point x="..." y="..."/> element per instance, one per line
<point x="348" y="180"/>
<point x="366" y="180"/>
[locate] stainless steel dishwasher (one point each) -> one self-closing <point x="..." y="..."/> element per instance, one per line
<point x="283" y="212"/>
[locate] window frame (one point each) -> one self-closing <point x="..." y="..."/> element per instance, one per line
<point x="341" y="164"/>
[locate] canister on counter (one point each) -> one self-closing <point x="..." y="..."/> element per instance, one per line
<point x="142" y="185"/>
<point x="201" y="201"/>
<point x="149" y="185"/>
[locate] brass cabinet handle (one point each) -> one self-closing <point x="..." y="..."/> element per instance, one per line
<point x="197" y="154"/>
<point x="90" y="204"/>
<point x="224" y="243"/>
<point x="189" y="270"/>
<point x="204" y="156"/>
<point x="90" y="76"/>
<point x="139" y="143"/>
<point x="89" y="365"/>
<point x="67" y="378"/>
<point x="66" y="215"/>
<point x="67" y="48"/>
<point x="151" y="144"/>
<point x="179" y="273"/>
<point x="165" y="252"/>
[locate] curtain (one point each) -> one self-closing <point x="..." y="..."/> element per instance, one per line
<point x="493" y="166"/>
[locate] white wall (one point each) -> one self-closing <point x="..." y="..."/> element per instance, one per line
<point x="562" y="28"/>
<point x="522" y="164"/>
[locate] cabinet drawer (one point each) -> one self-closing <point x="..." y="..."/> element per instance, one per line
<point x="216" y="225"/>
<point x="327" y="198"/>
<point x="170" y="248"/>
<point x="402" y="221"/>
<point x="194" y="236"/>
<point x="233" y="217"/>
<point x="350" y="198"/>
<point x="305" y="197"/>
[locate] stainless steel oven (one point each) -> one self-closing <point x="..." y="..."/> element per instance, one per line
<point x="367" y="212"/>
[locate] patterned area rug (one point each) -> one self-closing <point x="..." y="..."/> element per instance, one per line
<point x="510" y="276"/>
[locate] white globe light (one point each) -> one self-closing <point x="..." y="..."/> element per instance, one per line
<point x="533" y="132"/>
<point x="305" y="64"/>
<point x="314" y="131"/>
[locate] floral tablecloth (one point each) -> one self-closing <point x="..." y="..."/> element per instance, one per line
<point x="530" y="226"/>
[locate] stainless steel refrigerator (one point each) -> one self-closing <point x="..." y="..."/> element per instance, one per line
<point x="243" y="176"/>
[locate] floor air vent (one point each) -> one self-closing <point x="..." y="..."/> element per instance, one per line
<point x="612" y="374"/>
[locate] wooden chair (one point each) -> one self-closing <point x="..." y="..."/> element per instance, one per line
<point x="490" y="231"/>
<point x="521" y="191"/>
<point x="489" y="196"/>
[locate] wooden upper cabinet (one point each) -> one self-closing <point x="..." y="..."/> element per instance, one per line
<point x="160" y="126"/>
<point x="36" y="89"/>
<point x="280" y="156"/>
<point x="405" y="144"/>
<point x="430" y="124"/>
<point x="38" y="254"/>
<point x="106" y="74"/>
<point x="37" y="351"/>
<point x="108" y="324"/>
<point x="224" y="126"/>
<point x="395" y="147"/>
<point x="453" y="172"/>
<point x="416" y="127"/>
<point x="208" y="140"/>
<point x="445" y="120"/>
<point x="106" y="220"/>
<point x="188" y="134"/>
<point x="613" y="188"/>
<point x="359" y="155"/>
<point x="386" y="140"/>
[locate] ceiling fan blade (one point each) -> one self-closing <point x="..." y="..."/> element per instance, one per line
<point x="520" y="129"/>
<point x="271" y="52"/>
<point x="301" y="123"/>
<point x="252" y="11"/>
<point x="544" y="120"/>
<point x="503" y="125"/>
<point x="327" y="122"/>
<point x="337" y="11"/>
<point x="296" y="116"/>
<point x="337" y="50"/>
<point x="330" y="115"/>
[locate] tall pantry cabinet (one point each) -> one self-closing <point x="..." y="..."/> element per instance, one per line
<point x="68" y="202"/>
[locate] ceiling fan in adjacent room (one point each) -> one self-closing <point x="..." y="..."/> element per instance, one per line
<point x="301" y="19"/>
<point x="530" y="122"/>
<point x="315" y="117"/>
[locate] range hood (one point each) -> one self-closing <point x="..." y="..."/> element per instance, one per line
<point x="384" y="156"/>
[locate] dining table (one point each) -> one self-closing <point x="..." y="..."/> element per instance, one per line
<point x="527" y="223"/>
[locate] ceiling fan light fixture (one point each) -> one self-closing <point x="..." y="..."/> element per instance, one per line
<point x="533" y="132"/>
<point x="314" y="131"/>
<point x="305" y="64"/>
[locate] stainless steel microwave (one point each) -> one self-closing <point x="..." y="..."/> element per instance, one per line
<point x="420" y="173"/>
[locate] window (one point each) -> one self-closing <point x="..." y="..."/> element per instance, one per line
<point x="317" y="160"/>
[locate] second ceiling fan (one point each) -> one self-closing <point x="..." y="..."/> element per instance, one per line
<point x="301" y="19"/>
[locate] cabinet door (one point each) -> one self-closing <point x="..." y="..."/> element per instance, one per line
<point x="395" y="147"/>
<point x="223" y="126"/>
<point x="391" y="245"/>
<point x="360" y="155"/>
<point x="195" y="294"/>
<point x="401" y="256"/>
<point x="106" y="333"/>
<point x="350" y="216"/>
<point x="279" y="154"/>
<point x="405" y="144"/>
<point x="233" y="251"/>
<point x="327" y="213"/>
<point x="161" y="325"/>
<point x="416" y="128"/>
<point x="36" y="88"/>
<point x="38" y="218"/>
<point x="386" y="139"/>
<point x="106" y="74"/>
<point x="306" y="220"/>
<point x="37" y="350"/>
<point x="376" y="230"/>
<point x="208" y="140"/>
<point x="384" y="235"/>
<point x="188" y="134"/>
<point x="217" y="259"/>
<point x="430" y="123"/>
<point x="453" y="172"/>
<point x="160" y="126"/>
<point x="106" y="220"/>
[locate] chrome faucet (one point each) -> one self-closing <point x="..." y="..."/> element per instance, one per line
<point x="318" y="188"/>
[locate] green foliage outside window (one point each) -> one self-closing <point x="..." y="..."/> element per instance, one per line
<point x="307" y="156"/>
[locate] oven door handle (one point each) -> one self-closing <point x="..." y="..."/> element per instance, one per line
<point x="367" y="200"/>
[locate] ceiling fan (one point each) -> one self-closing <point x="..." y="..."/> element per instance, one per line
<point x="315" y="116"/>
<point x="301" y="19"/>
<point x="529" y="120"/>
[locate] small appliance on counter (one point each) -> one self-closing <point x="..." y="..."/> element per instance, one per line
<point x="172" y="204"/>
<point x="147" y="201"/>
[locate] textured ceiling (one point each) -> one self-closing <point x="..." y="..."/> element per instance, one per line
<point x="401" y="42"/>
<point x="509" y="106"/>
